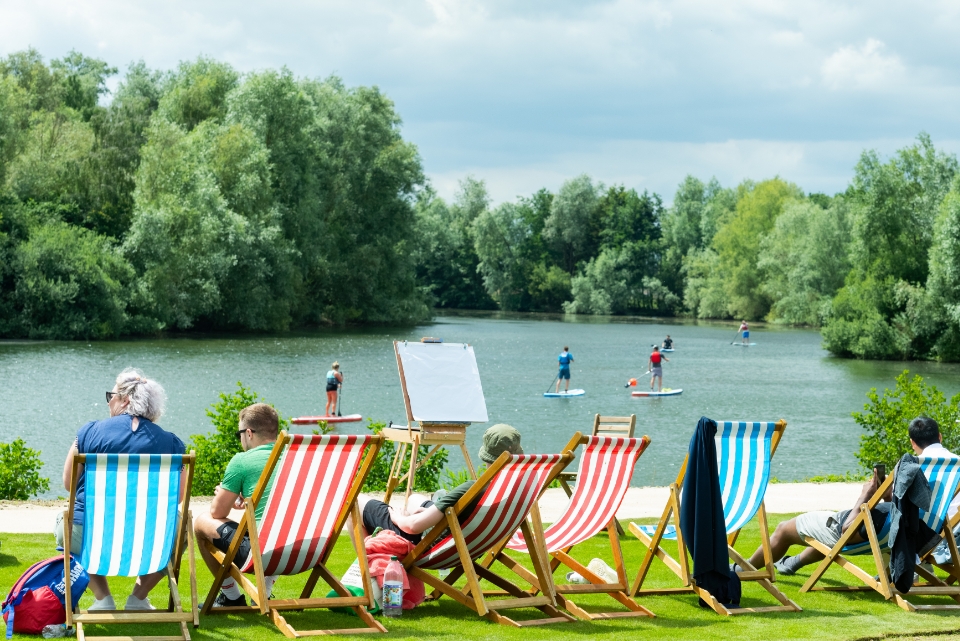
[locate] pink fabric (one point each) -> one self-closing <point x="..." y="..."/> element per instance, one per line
<point x="379" y="550"/>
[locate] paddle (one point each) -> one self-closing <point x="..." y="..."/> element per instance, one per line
<point x="552" y="382"/>
<point x="339" y="396"/>
<point x="644" y="374"/>
<point x="735" y="338"/>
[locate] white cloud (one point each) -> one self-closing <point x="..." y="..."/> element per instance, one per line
<point x="865" y="67"/>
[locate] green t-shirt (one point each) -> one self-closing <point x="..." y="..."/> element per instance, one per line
<point x="443" y="499"/>
<point x="243" y="473"/>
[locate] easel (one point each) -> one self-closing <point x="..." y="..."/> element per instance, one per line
<point x="427" y="423"/>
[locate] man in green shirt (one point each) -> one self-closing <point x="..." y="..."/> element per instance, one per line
<point x="259" y="427"/>
<point x="411" y="526"/>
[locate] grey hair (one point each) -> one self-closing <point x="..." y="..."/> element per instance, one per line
<point x="146" y="396"/>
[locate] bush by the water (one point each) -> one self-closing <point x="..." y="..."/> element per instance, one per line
<point x="20" y="478"/>
<point x="886" y="420"/>
<point x="427" y="478"/>
<point x="215" y="449"/>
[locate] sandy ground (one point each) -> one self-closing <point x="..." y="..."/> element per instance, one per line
<point x="781" y="498"/>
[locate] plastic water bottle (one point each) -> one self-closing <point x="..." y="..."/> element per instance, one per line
<point x="55" y="631"/>
<point x="393" y="589"/>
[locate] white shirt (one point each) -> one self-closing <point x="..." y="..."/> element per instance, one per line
<point x="937" y="449"/>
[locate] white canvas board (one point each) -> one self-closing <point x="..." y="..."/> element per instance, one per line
<point x="443" y="382"/>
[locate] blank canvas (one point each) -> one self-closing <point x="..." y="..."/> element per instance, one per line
<point x="443" y="382"/>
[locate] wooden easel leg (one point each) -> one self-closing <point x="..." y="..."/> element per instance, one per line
<point x="395" y="468"/>
<point x="412" y="470"/>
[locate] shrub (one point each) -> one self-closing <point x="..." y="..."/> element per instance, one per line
<point x="215" y="449"/>
<point x="20" y="478"/>
<point x="887" y="418"/>
<point x="427" y="478"/>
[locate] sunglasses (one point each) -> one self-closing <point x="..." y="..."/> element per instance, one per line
<point x="241" y="432"/>
<point x="110" y="395"/>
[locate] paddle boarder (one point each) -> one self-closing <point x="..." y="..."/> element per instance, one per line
<point x="744" y="332"/>
<point x="656" y="368"/>
<point x="565" y="359"/>
<point x="667" y="343"/>
<point x="334" y="380"/>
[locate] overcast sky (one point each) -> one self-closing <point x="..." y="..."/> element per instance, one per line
<point x="527" y="94"/>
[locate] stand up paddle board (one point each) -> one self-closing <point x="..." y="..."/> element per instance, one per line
<point x="666" y="392"/>
<point x="667" y="349"/>
<point x="573" y="392"/>
<point x="312" y="420"/>
<point x="743" y="344"/>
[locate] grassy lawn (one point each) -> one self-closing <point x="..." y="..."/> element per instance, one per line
<point x="825" y="615"/>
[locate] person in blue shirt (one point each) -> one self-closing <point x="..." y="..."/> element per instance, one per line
<point x="565" y="359"/>
<point x="334" y="381"/>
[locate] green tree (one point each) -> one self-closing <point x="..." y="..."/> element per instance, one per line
<point x="198" y="92"/>
<point x="20" y="466"/>
<point x="500" y="236"/>
<point x="84" y="81"/>
<point x="572" y="228"/>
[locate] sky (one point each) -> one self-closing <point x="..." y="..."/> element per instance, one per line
<point x="525" y="95"/>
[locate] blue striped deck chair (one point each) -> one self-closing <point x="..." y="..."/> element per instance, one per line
<point x="943" y="475"/>
<point x="744" y="452"/>
<point x="135" y="523"/>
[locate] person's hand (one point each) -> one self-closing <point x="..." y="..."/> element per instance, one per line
<point x="870" y="486"/>
<point x="240" y="503"/>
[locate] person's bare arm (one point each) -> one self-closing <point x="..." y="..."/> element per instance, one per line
<point x="416" y="523"/>
<point x="68" y="466"/>
<point x="869" y="489"/>
<point x="223" y="502"/>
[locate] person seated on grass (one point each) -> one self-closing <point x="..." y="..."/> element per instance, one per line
<point x="411" y="526"/>
<point x="135" y="403"/>
<point x="827" y="527"/>
<point x="259" y="427"/>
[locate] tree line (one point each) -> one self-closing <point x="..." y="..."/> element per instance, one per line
<point x="202" y="198"/>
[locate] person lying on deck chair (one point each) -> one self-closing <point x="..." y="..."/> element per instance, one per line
<point x="827" y="527"/>
<point x="411" y="526"/>
<point x="259" y="427"/>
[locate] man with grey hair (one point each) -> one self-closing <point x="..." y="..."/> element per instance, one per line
<point x="411" y="526"/>
<point x="135" y="403"/>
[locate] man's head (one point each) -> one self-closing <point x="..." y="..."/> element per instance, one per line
<point x="499" y="439"/>
<point x="259" y="425"/>
<point x="656" y="349"/>
<point x="924" y="431"/>
<point x="566" y="349"/>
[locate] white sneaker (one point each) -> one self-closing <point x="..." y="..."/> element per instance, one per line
<point x="604" y="571"/>
<point x="574" y="577"/>
<point x="133" y="603"/>
<point x="106" y="603"/>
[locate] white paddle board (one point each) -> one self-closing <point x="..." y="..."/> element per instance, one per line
<point x="743" y="344"/>
<point x="666" y="392"/>
<point x="573" y="392"/>
<point x="667" y="349"/>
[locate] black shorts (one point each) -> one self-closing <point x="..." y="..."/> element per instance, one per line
<point x="331" y="387"/>
<point x="376" y="514"/>
<point x="227" y="531"/>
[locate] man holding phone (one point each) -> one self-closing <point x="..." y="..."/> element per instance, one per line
<point x="827" y="527"/>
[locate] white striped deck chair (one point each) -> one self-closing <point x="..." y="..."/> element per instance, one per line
<point x="135" y="523"/>
<point x="603" y="478"/>
<point x="744" y="452"/>
<point x="504" y="496"/>
<point x="943" y="475"/>
<point x="315" y="487"/>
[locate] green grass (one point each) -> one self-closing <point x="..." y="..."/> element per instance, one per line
<point x="825" y="615"/>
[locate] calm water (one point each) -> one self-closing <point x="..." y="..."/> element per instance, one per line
<point x="49" y="389"/>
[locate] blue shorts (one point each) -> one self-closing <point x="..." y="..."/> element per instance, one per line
<point x="564" y="373"/>
<point x="746" y="333"/>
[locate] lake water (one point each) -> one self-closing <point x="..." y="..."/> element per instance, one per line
<point x="49" y="389"/>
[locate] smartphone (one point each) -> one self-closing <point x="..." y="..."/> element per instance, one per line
<point x="881" y="471"/>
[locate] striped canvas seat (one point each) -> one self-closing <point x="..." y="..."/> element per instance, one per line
<point x="743" y="457"/>
<point x="503" y="506"/>
<point x="130" y="515"/>
<point x="606" y="466"/>
<point x="504" y="497"/>
<point x="307" y="498"/>
<point x="316" y="480"/>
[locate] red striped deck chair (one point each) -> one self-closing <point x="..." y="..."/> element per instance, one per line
<point x="316" y="486"/>
<point x="505" y="495"/>
<point x="603" y="478"/>
<point x="744" y="452"/>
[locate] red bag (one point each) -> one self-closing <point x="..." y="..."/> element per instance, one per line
<point x="37" y="598"/>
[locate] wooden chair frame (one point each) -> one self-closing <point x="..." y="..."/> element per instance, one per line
<point x="258" y="591"/>
<point x="471" y="595"/>
<point x="765" y="577"/>
<point x="174" y="613"/>
<point x="617" y="591"/>
<point x="883" y="585"/>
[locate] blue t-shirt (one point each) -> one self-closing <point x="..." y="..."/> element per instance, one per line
<point x="565" y="359"/>
<point x="115" y="435"/>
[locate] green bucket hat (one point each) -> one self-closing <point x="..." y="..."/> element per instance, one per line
<point x="499" y="439"/>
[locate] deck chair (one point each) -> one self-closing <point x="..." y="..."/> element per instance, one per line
<point x="315" y="488"/>
<point x="606" y="466"/>
<point x="744" y="451"/>
<point x="134" y="523"/>
<point x="506" y="494"/>
<point x="943" y="475"/>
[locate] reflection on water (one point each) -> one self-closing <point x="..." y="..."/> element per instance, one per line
<point x="49" y="389"/>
